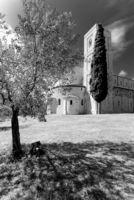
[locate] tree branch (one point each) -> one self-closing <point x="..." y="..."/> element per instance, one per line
<point x="8" y="92"/>
<point x="35" y="68"/>
<point x="3" y="98"/>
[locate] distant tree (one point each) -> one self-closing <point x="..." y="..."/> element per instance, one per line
<point x="43" y="52"/>
<point x="98" y="82"/>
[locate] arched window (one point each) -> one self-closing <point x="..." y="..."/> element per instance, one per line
<point x="82" y="102"/>
<point x="71" y="102"/>
<point x="59" y="101"/>
<point x="116" y="92"/>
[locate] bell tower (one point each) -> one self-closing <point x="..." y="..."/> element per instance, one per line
<point x="89" y="43"/>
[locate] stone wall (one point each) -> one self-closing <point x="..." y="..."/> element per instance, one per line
<point x="70" y="99"/>
<point x="76" y="99"/>
<point x="89" y="42"/>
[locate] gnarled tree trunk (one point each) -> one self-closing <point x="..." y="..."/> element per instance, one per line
<point x="16" y="145"/>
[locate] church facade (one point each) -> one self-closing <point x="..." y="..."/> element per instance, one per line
<point x="77" y="99"/>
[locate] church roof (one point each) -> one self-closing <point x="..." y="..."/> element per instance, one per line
<point x="69" y="85"/>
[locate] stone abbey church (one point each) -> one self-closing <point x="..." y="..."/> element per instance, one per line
<point x="76" y="98"/>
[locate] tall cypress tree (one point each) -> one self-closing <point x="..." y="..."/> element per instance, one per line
<point x="98" y="82"/>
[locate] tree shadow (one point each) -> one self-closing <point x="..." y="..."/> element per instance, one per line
<point x="7" y="128"/>
<point x="94" y="171"/>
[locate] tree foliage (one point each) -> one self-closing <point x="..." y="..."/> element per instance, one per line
<point x="42" y="52"/>
<point x="98" y="82"/>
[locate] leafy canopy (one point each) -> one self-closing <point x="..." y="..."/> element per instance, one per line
<point x="42" y="52"/>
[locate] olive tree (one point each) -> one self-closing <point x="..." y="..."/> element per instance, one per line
<point x="43" y="52"/>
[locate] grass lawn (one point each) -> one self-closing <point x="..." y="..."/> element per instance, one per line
<point x="75" y="128"/>
<point x="93" y="157"/>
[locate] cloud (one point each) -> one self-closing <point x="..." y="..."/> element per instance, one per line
<point x="112" y="3"/>
<point x="123" y="73"/>
<point x="122" y="3"/>
<point x="119" y="30"/>
<point x="121" y="8"/>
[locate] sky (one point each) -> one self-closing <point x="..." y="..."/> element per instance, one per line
<point x="116" y="15"/>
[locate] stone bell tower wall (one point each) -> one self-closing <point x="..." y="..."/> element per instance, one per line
<point x="89" y="43"/>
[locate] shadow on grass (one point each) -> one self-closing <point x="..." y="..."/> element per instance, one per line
<point x="6" y="128"/>
<point x="94" y="171"/>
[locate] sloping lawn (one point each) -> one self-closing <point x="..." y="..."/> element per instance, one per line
<point x="85" y="158"/>
<point x="74" y="128"/>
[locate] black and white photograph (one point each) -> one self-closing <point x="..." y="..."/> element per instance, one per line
<point x="66" y="99"/>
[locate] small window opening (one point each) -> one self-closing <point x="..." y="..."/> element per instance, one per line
<point x="82" y="102"/>
<point x="117" y="92"/>
<point x="71" y="102"/>
<point x="59" y="101"/>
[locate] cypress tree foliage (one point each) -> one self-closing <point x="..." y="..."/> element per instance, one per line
<point x="98" y="81"/>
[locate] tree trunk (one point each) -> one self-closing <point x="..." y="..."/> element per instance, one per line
<point x="16" y="145"/>
<point x="99" y="108"/>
